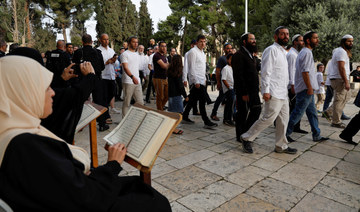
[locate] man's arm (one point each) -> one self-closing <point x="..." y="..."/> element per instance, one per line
<point x="163" y="65"/>
<point x="307" y="82"/>
<point x="266" y="71"/>
<point x="128" y="72"/>
<point x="342" y="71"/>
<point x="218" y="80"/>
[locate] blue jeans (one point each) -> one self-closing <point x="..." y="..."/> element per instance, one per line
<point x="304" y="103"/>
<point x="328" y="97"/>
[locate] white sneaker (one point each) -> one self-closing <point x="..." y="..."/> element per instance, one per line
<point x="114" y="110"/>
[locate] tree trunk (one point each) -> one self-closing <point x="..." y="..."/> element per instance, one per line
<point x="64" y="32"/>
<point x="16" y="30"/>
<point x="213" y="33"/>
<point x="183" y="38"/>
<point x="28" y="32"/>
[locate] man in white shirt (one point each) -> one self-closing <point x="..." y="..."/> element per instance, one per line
<point x="196" y="64"/>
<point x="297" y="45"/>
<point x="274" y="82"/>
<point x="339" y="72"/>
<point x="130" y="61"/>
<point x="146" y="68"/>
<point x="141" y="50"/>
<point x="107" y="75"/>
<point x="305" y="84"/>
<point x="151" y="68"/>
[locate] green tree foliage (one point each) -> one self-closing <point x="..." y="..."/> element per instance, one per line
<point x="331" y="19"/>
<point x="44" y="36"/>
<point x="145" y="24"/>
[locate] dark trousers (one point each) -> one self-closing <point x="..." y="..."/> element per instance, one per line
<point x="217" y="103"/>
<point x="328" y="97"/>
<point x="292" y="103"/>
<point x="99" y="98"/>
<point x="353" y="127"/>
<point x="246" y="113"/>
<point x="197" y="94"/>
<point x="150" y="87"/>
<point x="118" y="88"/>
<point x="228" y="109"/>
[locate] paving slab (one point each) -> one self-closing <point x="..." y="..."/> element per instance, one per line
<point x="177" y="207"/>
<point x="259" y="151"/>
<point x="248" y="176"/>
<point x="224" y="164"/>
<point x="317" y="161"/>
<point x="298" y="175"/>
<point x="188" y="180"/>
<point x="285" y="157"/>
<point x="329" y="150"/>
<point x="313" y="202"/>
<point x="171" y="195"/>
<point x="302" y="146"/>
<point x="347" y="171"/>
<point x="246" y="203"/>
<point x="211" y="196"/>
<point x="161" y="169"/>
<point x="223" y="147"/>
<point x="171" y="152"/>
<point x="269" y="163"/>
<point x="214" y="138"/>
<point x="278" y="193"/>
<point x="353" y="157"/>
<point x="193" y="135"/>
<point x="191" y="158"/>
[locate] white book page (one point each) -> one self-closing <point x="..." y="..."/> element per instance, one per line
<point x="125" y="131"/>
<point x="88" y="114"/>
<point x="144" y="134"/>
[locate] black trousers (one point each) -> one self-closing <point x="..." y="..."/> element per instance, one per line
<point x="99" y="98"/>
<point x="353" y="127"/>
<point x="292" y="103"/>
<point x="197" y="94"/>
<point x="150" y="87"/>
<point x="118" y="88"/>
<point x="246" y="113"/>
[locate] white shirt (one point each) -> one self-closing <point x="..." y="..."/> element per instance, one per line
<point x="291" y="59"/>
<point x="320" y="79"/>
<point x="109" y="71"/>
<point x="227" y="74"/>
<point x="133" y="61"/>
<point x="151" y="61"/>
<point x="196" y="61"/>
<point x="142" y="62"/>
<point x="185" y="68"/>
<point x="339" y="54"/>
<point x="274" y="72"/>
<point x="146" y="67"/>
<point x="305" y="63"/>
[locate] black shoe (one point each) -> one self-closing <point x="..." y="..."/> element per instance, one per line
<point x="345" y="117"/>
<point x="348" y="140"/>
<point x="287" y="150"/>
<point x="211" y="102"/>
<point x="300" y="131"/>
<point x="229" y="123"/>
<point x="103" y="128"/>
<point x="246" y="146"/>
<point x="290" y="139"/>
<point x="210" y="125"/>
<point x="197" y="114"/>
<point x="321" y="139"/>
<point x="186" y="119"/>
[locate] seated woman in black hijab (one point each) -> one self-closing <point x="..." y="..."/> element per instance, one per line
<point x="41" y="172"/>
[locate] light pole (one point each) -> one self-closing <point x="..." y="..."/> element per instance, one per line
<point x="246" y="16"/>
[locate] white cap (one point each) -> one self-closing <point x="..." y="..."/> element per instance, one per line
<point x="347" y="36"/>
<point x="295" y="37"/>
<point x="308" y="32"/>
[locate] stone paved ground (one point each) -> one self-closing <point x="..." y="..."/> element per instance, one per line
<point x="206" y="170"/>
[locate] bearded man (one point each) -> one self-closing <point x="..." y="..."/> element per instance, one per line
<point x="246" y="84"/>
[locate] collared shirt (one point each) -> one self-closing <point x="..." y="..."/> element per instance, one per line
<point x="109" y="71"/>
<point x="274" y="72"/>
<point x="227" y="74"/>
<point x="338" y="54"/>
<point x="291" y="59"/>
<point x="146" y="67"/>
<point x="196" y="61"/>
<point x="305" y="63"/>
<point x="185" y="68"/>
<point x="320" y="79"/>
<point x="133" y="62"/>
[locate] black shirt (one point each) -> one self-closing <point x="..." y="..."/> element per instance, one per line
<point x="159" y="72"/>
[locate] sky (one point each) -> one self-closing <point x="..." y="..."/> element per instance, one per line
<point x="158" y="10"/>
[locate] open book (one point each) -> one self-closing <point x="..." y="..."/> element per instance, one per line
<point x="88" y="114"/>
<point x="143" y="132"/>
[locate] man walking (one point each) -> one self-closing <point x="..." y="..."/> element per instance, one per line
<point x="339" y="72"/>
<point x="274" y="82"/>
<point x="130" y="61"/>
<point x="246" y="84"/>
<point x="160" y="78"/>
<point x="196" y="65"/>
<point x="305" y="84"/>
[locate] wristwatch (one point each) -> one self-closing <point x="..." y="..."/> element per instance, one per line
<point x="131" y="76"/>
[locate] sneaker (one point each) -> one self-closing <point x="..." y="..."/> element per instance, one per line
<point x="347" y="139"/>
<point x="186" y="119"/>
<point x="210" y="125"/>
<point x="289" y="139"/>
<point x="287" y="150"/>
<point x="345" y="117"/>
<point x="300" y="131"/>
<point x="114" y="110"/>
<point x="246" y="146"/>
<point x="326" y="115"/>
<point x="321" y="139"/>
<point x="229" y="123"/>
<point x="340" y="125"/>
<point x="215" y="118"/>
<point x="103" y="128"/>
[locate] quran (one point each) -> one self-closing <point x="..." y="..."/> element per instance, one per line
<point x="144" y="132"/>
<point x="88" y="114"/>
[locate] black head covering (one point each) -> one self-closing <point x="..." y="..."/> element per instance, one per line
<point x="28" y="52"/>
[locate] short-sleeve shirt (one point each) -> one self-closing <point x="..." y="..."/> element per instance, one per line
<point x="221" y="62"/>
<point x="339" y="54"/>
<point x="305" y="63"/>
<point x="227" y="74"/>
<point x="133" y="61"/>
<point x="159" y="72"/>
